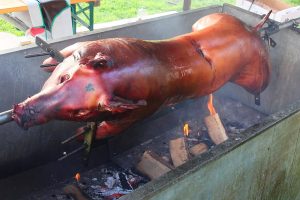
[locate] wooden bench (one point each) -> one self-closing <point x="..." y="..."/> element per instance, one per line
<point x="8" y="6"/>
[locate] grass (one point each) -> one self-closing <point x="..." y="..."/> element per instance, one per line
<point x="293" y="2"/>
<point x="7" y="27"/>
<point x="111" y="10"/>
<point x="121" y="9"/>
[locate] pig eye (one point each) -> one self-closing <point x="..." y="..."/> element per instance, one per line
<point x="98" y="63"/>
<point x="64" y="78"/>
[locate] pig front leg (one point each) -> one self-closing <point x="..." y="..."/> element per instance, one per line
<point x="115" y="127"/>
<point x="66" y="52"/>
<point x="111" y="128"/>
<point x="104" y="129"/>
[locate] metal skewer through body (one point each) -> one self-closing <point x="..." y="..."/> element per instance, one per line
<point x="6" y="117"/>
<point x="47" y="48"/>
<point x="37" y="55"/>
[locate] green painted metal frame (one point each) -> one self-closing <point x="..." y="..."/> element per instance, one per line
<point x="88" y="16"/>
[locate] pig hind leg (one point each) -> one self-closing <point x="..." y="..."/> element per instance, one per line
<point x="254" y="77"/>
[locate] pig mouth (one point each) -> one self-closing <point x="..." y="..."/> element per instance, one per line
<point x="25" y="116"/>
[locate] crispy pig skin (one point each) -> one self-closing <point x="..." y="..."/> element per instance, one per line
<point x="119" y="81"/>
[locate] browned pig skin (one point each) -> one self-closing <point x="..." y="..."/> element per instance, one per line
<point x="119" y="81"/>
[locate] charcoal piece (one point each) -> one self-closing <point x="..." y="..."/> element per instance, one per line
<point x="124" y="181"/>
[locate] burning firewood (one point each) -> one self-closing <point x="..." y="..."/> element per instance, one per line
<point x="179" y="152"/>
<point x="198" y="149"/>
<point x="153" y="166"/>
<point x="215" y="128"/>
<point x="214" y="125"/>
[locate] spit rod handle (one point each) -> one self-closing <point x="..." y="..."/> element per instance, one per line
<point x="276" y="27"/>
<point x="6" y="117"/>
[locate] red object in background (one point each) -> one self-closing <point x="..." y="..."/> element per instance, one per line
<point x="36" y="31"/>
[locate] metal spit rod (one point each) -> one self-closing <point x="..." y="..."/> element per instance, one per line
<point x="6" y="117"/>
<point x="276" y="27"/>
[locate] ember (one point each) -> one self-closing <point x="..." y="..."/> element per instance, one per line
<point x="102" y="183"/>
<point x="186" y="129"/>
<point x="77" y="177"/>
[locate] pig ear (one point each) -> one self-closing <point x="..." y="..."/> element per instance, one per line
<point x="66" y="52"/>
<point x="118" y="104"/>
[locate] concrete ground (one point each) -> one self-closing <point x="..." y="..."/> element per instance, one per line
<point x="8" y="41"/>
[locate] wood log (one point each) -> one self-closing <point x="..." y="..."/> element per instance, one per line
<point x="215" y="128"/>
<point x="152" y="165"/>
<point x="178" y="151"/>
<point x="25" y="41"/>
<point x="75" y="192"/>
<point x="198" y="149"/>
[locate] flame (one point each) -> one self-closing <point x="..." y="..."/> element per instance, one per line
<point x="210" y="105"/>
<point x="186" y="129"/>
<point x="77" y="177"/>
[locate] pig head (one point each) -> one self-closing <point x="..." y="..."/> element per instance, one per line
<point x="97" y="81"/>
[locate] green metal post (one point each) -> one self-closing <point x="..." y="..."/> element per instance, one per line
<point x="73" y="6"/>
<point x="91" y="5"/>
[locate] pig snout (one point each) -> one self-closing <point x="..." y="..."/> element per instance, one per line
<point x="26" y="116"/>
<point x="35" y="110"/>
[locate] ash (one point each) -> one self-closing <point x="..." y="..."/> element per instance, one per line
<point x="102" y="183"/>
